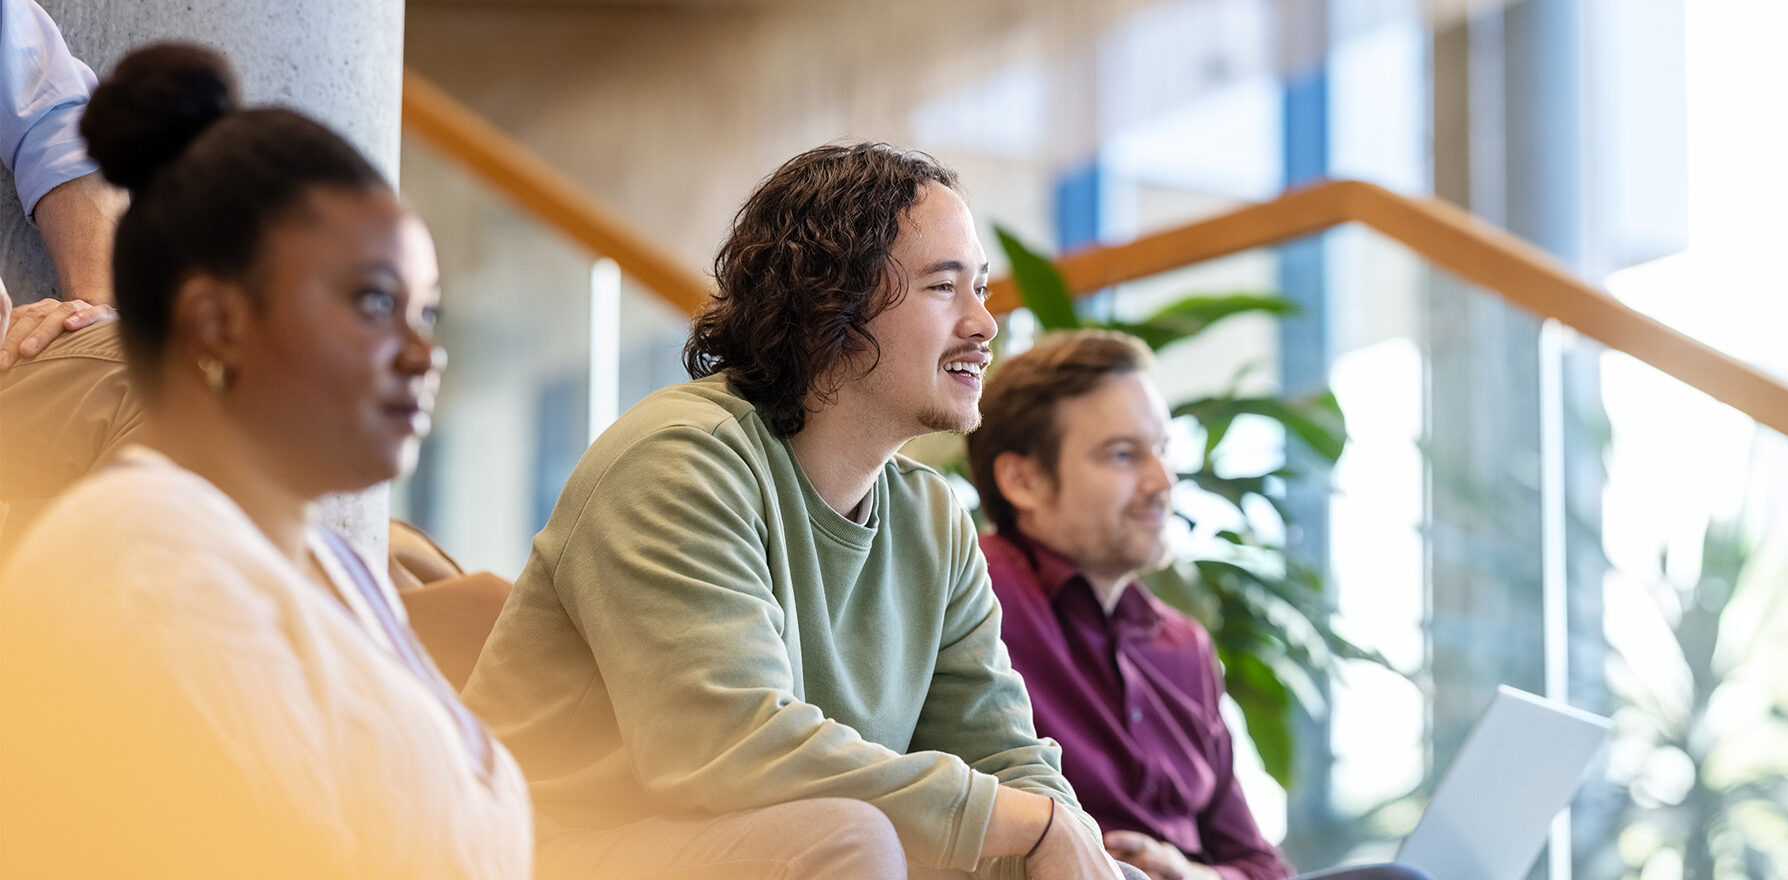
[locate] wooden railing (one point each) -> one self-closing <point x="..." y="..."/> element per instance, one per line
<point x="1453" y="240"/>
<point x="1446" y="236"/>
<point x="543" y="191"/>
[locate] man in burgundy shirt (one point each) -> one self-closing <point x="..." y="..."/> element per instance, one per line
<point x="1068" y="463"/>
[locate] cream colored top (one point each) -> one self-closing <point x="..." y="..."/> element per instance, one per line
<point x="177" y="700"/>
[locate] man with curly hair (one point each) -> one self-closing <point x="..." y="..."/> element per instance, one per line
<point x="753" y="640"/>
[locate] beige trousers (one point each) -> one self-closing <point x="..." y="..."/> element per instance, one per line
<point x="823" y="839"/>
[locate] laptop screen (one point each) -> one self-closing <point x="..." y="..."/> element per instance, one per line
<point x="1518" y="767"/>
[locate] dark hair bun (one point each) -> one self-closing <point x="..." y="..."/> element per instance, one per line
<point x="157" y="100"/>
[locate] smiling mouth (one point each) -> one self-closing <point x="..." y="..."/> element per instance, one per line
<point x="1153" y="516"/>
<point x="412" y="415"/>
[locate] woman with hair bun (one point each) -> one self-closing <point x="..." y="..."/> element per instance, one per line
<point x="195" y="679"/>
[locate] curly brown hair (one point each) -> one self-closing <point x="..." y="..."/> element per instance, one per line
<point x="803" y="271"/>
<point x="1018" y="405"/>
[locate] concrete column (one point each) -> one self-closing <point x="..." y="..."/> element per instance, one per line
<point x="340" y="61"/>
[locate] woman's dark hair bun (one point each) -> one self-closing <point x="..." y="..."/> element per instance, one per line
<point x="155" y="103"/>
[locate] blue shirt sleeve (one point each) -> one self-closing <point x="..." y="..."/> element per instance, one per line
<point x="43" y="91"/>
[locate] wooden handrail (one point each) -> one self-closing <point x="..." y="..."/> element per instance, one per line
<point x="1453" y="240"/>
<point x="545" y="192"/>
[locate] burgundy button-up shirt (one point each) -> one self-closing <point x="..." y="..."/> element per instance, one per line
<point x="1132" y="698"/>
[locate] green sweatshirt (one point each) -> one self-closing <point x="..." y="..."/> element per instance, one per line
<point x="696" y="632"/>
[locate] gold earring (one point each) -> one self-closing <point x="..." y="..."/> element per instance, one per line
<point x="217" y="376"/>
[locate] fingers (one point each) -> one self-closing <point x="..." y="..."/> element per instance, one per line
<point x="1122" y="844"/>
<point x="1159" y="860"/>
<point x="34" y="326"/>
<point x="1157" y="869"/>
<point x="24" y="322"/>
<point x="38" y="323"/>
<point x="88" y="316"/>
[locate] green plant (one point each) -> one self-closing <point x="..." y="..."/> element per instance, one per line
<point x="1698" y="751"/>
<point x="1267" y="613"/>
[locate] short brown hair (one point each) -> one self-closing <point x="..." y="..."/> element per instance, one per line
<point x="1018" y="405"/>
<point x="803" y="272"/>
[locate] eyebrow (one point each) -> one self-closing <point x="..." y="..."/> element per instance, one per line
<point x="949" y="266"/>
<point x="381" y="266"/>
<point x="390" y="272"/>
<point x="1132" y="439"/>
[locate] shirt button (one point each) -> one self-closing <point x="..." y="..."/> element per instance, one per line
<point x="1135" y="715"/>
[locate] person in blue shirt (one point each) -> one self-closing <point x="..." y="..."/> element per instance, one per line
<point x="43" y="92"/>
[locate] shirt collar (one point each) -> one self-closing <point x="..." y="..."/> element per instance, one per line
<point x="1054" y="573"/>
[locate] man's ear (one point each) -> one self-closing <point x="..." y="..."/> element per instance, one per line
<point x="1022" y="480"/>
<point x="213" y="316"/>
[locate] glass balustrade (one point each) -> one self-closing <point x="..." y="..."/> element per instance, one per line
<point x="525" y="387"/>
<point x="1515" y="504"/>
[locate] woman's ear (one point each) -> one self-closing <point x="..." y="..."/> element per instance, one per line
<point x="1022" y="480"/>
<point x="212" y="317"/>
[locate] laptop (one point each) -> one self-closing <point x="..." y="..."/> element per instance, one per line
<point x="1519" y="766"/>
